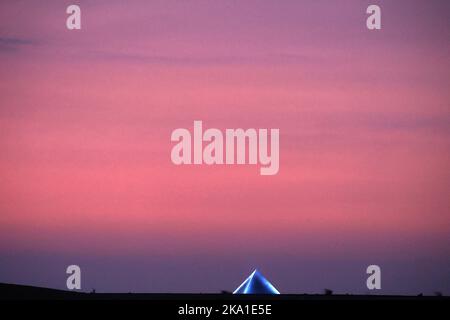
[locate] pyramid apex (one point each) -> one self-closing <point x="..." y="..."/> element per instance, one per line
<point x="256" y="283"/>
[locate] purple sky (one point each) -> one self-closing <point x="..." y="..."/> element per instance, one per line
<point x="364" y="119"/>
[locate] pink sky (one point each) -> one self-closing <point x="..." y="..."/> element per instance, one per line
<point x="86" y="118"/>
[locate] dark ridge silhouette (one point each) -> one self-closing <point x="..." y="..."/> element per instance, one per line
<point x="328" y="292"/>
<point x="22" y="292"/>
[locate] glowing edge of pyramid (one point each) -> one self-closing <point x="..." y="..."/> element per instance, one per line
<point x="246" y="285"/>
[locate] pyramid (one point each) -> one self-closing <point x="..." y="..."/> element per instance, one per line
<point x="256" y="284"/>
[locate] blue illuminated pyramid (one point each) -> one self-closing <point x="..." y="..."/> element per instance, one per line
<point x="256" y="284"/>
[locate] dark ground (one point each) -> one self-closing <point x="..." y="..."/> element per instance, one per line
<point x="21" y="292"/>
<point x="31" y="302"/>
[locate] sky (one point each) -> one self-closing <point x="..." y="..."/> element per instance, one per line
<point x="86" y="117"/>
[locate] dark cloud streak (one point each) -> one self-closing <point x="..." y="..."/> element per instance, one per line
<point x="11" y="44"/>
